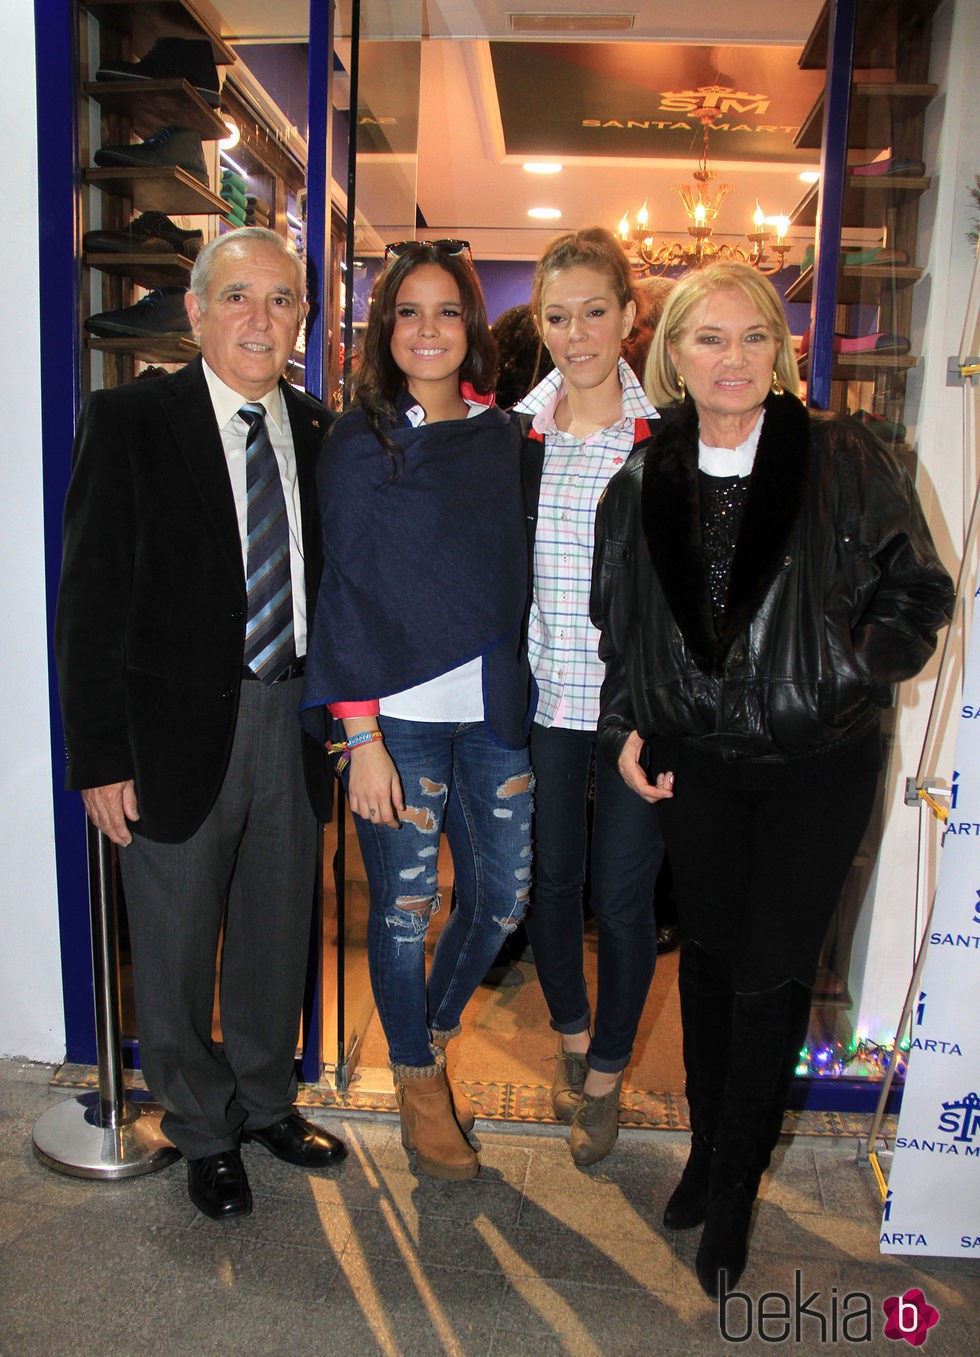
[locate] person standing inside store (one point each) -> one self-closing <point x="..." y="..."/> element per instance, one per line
<point x="761" y="580"/>
<point x="180" y="641"/>
<point x="418" y="651"/>
<point x="582" y="423"/>
<point x="651" y="298"/>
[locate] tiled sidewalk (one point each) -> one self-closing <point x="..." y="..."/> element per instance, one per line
<point x="532" y="1257"/>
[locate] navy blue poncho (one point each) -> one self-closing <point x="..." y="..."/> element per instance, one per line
<point x="424" y="570"/>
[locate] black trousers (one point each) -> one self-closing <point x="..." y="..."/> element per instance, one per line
<point x="760" y="852"/>
<point x="250" y="869"/>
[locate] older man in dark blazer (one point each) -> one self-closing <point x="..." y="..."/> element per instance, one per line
<point x="191" y="548"/>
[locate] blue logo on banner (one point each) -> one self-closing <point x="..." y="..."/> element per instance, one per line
<point x="920" y="1008"/>
<point x="962" y="1118"/>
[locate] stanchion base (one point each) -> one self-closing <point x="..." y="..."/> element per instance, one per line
<point x="69" y="1139"/>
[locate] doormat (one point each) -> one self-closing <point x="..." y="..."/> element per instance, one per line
<point x="520" y="1103"/>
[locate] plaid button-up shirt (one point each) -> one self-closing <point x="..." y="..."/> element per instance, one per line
<point x="561" y="640"/>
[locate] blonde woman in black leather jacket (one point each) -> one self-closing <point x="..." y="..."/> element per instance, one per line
<point x="760" y="583"/>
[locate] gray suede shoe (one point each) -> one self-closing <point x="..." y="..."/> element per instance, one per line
<point x="571" y="1067"/>
<point x="595" y="1126"/>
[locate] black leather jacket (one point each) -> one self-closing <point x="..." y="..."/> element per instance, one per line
<point x="836" y="592"/>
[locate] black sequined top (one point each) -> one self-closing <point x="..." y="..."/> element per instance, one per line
<point x="722" y="503"/>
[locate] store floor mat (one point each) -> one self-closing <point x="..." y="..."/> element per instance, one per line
<point x="523" y="1104"/>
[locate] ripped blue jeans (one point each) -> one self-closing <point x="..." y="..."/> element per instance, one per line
<point x="455" y="777"/>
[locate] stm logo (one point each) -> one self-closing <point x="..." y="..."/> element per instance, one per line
<point x="962" y="1119"/>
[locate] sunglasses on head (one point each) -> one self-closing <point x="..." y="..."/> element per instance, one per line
<point x="449" y="247"/>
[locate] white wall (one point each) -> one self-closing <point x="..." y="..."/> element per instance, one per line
<point x="885" y="945"/>
<point x="31" y="1011"/>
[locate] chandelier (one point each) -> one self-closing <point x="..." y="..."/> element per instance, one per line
<point x="766" y="250"/>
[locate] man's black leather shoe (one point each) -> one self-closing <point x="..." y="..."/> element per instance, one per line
<point x="218" y="1186"/>
<point x="178" y="146"/>
<point x="190" y="59"/>
<point x="298" y="1141"/>
<point x="161" y="312"/>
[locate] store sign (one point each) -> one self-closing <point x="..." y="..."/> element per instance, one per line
<point x="641" y="100"/>
<point x="933" y="1203"/>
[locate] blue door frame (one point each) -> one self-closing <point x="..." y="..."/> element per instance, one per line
<point x="56" y="40"/>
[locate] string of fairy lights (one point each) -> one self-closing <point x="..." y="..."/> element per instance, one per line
<point x="861" y="1058"/>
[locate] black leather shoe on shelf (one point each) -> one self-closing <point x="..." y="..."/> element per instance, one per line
<point x="297" y="1141"/>
<point x="150" y="231"/>
<point x="190" y="59"/>
<point x="179" y="146"/>
<point x="218" y="1186"/>
<point x="160" y="312"/>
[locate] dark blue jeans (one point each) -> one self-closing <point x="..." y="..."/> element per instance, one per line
<point x="626" y="850"/>
<point x="458" y="779"/>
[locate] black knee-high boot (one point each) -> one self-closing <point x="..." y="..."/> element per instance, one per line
<point x="706" y="1004"/>
<point x="768" y="1029"/>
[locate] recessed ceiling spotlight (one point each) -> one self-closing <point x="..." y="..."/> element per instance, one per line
<point x="543" y="167"/>
<point x="544" y="213"/>
<point x="810" y="176"/>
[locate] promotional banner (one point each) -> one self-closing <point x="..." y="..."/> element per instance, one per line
<point x="933" y="1202"/>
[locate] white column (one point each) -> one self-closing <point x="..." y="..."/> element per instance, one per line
<point x="31" y="1011"/>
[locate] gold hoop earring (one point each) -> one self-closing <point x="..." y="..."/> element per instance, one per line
<point x="777" y="386"/>
<point x="680" y="386"/>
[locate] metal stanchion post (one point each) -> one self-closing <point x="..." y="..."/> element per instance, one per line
<point x="104" y="1134"/>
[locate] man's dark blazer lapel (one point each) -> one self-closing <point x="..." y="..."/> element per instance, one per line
<point x="188" y="410"/>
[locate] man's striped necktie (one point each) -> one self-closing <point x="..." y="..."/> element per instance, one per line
<point x="269" y="639"/>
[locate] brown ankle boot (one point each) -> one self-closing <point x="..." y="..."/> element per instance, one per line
<point x="429" y="1124"/>
<point x="462" y="1106"/>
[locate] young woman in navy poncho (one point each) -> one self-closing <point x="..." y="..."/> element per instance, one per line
<point x="418" y="650"/>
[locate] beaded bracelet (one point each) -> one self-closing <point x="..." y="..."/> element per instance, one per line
<point x="343" y="747"/>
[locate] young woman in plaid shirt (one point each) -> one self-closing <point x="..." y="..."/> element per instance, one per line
<point x="582" y="423"/>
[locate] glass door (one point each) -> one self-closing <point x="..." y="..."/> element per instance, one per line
<point x="383" y="77"/>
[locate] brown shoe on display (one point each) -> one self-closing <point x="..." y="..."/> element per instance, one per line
<point x="571" y="1067"/>
<point x="595" y="1127"/>
<point x="428" y="1122"/>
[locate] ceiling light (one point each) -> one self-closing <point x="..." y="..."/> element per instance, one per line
<point x="544" y="213"/>
<point x="233" y="137"/>
<point x="571" y="23"/>
<point x="542" y="167"/>
<point x="810" y="176"/>
<point x="655" y="258"/>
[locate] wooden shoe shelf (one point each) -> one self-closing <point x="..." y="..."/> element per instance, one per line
<point x="144" y="21"/>
<point x="145" y="270"/>
<point x="132" y="109"/>
<point x="149" y="104"/>
<point x="888" y="99"/>
<point x="857" y="284"/>
<point x="135" y="109"/>
<point x="166" y="189"/>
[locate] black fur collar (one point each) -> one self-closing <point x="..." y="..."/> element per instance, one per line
<point x="672" y="523"/>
